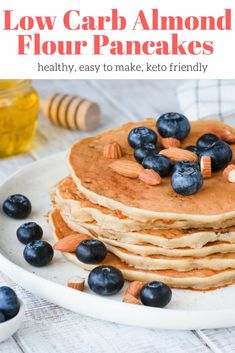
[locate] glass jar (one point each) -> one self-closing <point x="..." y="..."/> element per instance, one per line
<point x="19" y="108"/>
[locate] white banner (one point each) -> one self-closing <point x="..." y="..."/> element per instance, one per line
<point x="117" y="39"/>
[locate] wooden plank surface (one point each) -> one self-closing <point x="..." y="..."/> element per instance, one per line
<point x="50" y="329"/>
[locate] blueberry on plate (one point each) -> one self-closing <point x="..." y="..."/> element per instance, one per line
<point x="220" y="153"/>
<point x="9" y="303"/>
<point x="193" y="149"/>
<point x="38" y="253"/>
<point x="159" y="163"/>
<point x="147" y="149"/>
<point x="184" y="166"/>
<point x="140" y="135"/>
<point x="28" y="232"/>
<point x="207" y="140"/>
<point x="186" y="181"/>
<point x="173" y="125"/>
<point x="2" y="317"/>
<point x="91" y="251"/>
<point x="105" y="280"/>
<point x="17" y="206"/>
<point x="156" y="294"/>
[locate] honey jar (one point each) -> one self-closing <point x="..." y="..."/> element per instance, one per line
<point x="19" y="108"/>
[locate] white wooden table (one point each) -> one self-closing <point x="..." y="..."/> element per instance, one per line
<point x="51" y="329"/>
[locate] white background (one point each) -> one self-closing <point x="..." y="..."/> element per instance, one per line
<point x="220" y="63"/>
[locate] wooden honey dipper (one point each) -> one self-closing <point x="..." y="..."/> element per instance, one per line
<point x="71" y="112"/>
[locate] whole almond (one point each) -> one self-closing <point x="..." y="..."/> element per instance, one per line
<point x="150" y="177"/>
<point x="77" y="283"/>
<point x="112" y="150"/>
<point x="225" y="135"/>
<point x="205" y="165"/>
<point x="129" y="169"/>
<point x="229" y="173"/>
<point x="70" y="243"/>
<point x="170" y="142"/>
<point x="179" y="154"/>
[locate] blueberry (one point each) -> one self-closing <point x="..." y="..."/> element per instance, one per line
<point x="173" y="125"/>
<point x="161" y="164"/>
<point x="17" y="206"/>
<point x="28" y="232"/>
<point x="141" y="135"/>
<point x="207" y="140"/>
<point x="155" y="294"/>
<point x="91" y="251"/>
<point x="186" y="181"/>
<point x="193" y="149"/>
<point x="2" y="317"/>
<point x="38" y="253"/>
<point x="145" y="150"/>
<point x="185" y="165"/>
<point x="9" y="303"/>
<point x="105" y="280"/>
<point x="220" y="153"/>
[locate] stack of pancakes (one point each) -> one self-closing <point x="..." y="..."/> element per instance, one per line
<point x="151" y="232"/>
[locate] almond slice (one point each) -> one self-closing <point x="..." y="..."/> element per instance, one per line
<point x="132" y="292"/>
<point x="150" y="177"/>
<point x="205" y="164"/>
<point x="179" y="154"/>
<point x="170" y="142"/>
<point x="130" y="299"/>
<point x="112" y="150"/>
<point x="129" y="169"/>
<point x="70" y="243"/>
<point x="225" y="135"/>
<point x="134" y="288"/>
<point x="229" y="173"/>
<point x="77" y="283"/>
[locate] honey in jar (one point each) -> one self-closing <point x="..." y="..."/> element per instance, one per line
<point x="19" y="108"/>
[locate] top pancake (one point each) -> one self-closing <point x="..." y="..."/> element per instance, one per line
<point x="93" y="177"/>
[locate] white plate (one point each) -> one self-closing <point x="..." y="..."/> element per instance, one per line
<point x="187" y="310"/>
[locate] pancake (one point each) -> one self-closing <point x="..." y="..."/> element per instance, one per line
<point x="68" y="198"/>
<point x="147" y="250"/>
<point x="203" y="279"/>
<point x="212" y="207"/>
<point x="194" y="239"/>
<point x="158" y="261"/>
<point x="70" y="202"/>
<point x="73" y="203"/>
